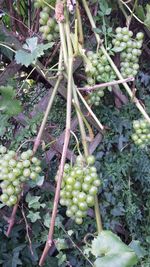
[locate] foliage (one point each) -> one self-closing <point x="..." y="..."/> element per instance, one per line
<point x="32" y="51"/>
<point x="123" y="168"/>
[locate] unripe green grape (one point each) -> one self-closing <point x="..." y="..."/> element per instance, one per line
<point x="24" y="156"/>
<point x="4" y="198"/>
<point x="97" y="183"/>
<point x="4" y="184"/>
<point x="26" y="163"/>
<point x="140" y="36"/>
<point x="13" y="200"/>
<point x="44" y="16"/>
<point x="93" y="190"/>
<point x="77" y="185"/>
<point x="88" y="179"/>
<point x="69" y="213"/>
<point x="119" y="36"/>
<point x="26" y="172"/>
<point x="11" y="176"/>
<point x="78" y="220"/>
<point x="90" y="160"/>
<point x="33" y="175"/>
<point x="90" y="200"/>
<point x="79" y="214"/>
<point x="118" y="30"/>
<point x="125" y="38"/>
<point x="49" y="37"/>
<point x="85" y="187"/>
<point x="62" y="202"/>
<point x="75" y="200"/>
<point x="81" y="196"/>
<point x="125" y="30"/>
<point x="10" y="190"/>
<point x="83" y="206"/>
<point x="38" y="169"/>
<point x="74" y="208"/>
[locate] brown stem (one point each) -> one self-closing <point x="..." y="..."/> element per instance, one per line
<point x="97" y="86"/>
<point x="62" y="163"/>
<point x="11" y="220"/>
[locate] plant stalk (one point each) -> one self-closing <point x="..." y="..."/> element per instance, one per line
<point x="135" y="100"/>
<point x="64" y="152"/>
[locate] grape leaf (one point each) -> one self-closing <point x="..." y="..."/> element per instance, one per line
<point x="126" y="259"/>
<point x="112" y="252"/>
<point x="33" y="202"/>
<point x="31" y="52"/>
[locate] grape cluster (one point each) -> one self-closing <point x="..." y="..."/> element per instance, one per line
<point x="130" y="50"/>
<point x="79" y="186"/>
<point x="141" y="137"/>
<point x="98" y="70"/>
<point x="14" y="171"/>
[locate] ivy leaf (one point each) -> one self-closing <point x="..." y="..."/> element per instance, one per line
<point x="33" y="202"/>
<point x="34" y="216"/>
<point x="8" y="104"/>
<point x="34" y="51"/>
<point x="112" y="251"/>
<point x="37" y="182"/>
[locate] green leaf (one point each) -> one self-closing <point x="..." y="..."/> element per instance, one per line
<point x="140" y="12"/>
<point x="113" y="252"/>
<point x="33" y="202"/>
<point x="61" y="244"/>
<point x="147" y="20"/>
<point x="139" y="251"/>
<point x="34" y="51"/>
<point x="37" y="182"/>
<point x="8" y="104"/>
<point x="126" y="259"/>
<point x="34" y="216"/>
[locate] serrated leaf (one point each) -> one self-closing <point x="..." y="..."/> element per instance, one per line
<point x="34" y="216"/>
<point x="31" y="44"/>
<point x="35" y="51"/>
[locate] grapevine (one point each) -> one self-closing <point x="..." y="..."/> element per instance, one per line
<point x="15" y="171"/>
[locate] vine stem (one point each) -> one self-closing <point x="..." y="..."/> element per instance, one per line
<point x="11" y="220"/>
<point x="134" y="99"/>
<point x="50" y="103"/>
<point x="63" y="158"/>
<point x="97" y="86"/>
<point x="90" y="110"/>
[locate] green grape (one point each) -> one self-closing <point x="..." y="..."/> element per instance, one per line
<point x="78" y="220"/>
